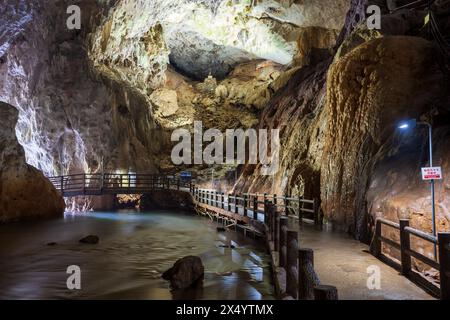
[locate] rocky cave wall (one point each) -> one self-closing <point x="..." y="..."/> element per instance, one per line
<point x="109" y="93"/>
<point x="109" y="96"/>
<point x="338" y="118"/>
<point x="24" y="191"/>
<point x="70" y="120"/>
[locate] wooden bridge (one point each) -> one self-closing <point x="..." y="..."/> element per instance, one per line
<point x="112" y="183"/>
<point x="245" y="207"/>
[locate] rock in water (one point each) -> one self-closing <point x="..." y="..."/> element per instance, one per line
<point x="91" y="239"/>
<point x="185" y="272"/>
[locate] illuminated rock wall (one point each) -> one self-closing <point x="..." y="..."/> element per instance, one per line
<point x="24" y="192"/>
<point x="338" y="118"/>
<point x="106" y="96"/>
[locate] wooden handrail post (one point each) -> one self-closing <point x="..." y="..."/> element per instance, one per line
<point x="62" y="185"/>
<point x="322" y="292"/>
<point x="245" y="205"/>
<point x="444" y="264"/>
<point x="300" y="212"/>
<point x="405" y="245"/>
<point x="271" y="212"/>
<point x="271" y="223"/>
<point x="276" y="232"/>
<point x="286" y="205"/>
<point x="307" y="279"/>
<point x="376" y="241"/>
<point x="268" y="218"/>
<point x="317" y="220"/>
<point x="283" y="240"/>
<point x="266" y="212"/>
<point x="236" y="208"/>
<point x="255" y="207"/>
<point x="223" y="200"/>
<point x="229" y="203"/>
<point x="291" y="264"/>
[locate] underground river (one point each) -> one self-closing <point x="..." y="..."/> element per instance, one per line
<point x="134" y="249"/>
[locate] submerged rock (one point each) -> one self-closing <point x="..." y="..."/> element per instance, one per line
<point x="185" y="272"/>
<point x="91" y="239"/>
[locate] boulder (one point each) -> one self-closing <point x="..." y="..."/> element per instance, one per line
<point x="91" y="239"/>
<point x="185" y="272"/>
<point x="25" y="192"/>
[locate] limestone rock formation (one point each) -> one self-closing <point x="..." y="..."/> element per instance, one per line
<point x="24" y="191"/>
<point x="202" y="37"/>
<point x="90" y="98"/>
<point x="369" y="90"/>
<point x="338" y="119"/>
<point x="185" y="272"/>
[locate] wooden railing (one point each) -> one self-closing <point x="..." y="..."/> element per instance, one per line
<point x="252" y="204"/>
<point x="292" y="263"/>
<point x="442" y="264"/>
<point x="111" y="183"/>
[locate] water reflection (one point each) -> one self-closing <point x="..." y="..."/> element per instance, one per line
<point x="134" y="250"/>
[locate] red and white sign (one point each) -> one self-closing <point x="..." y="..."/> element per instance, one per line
<point x="432" y="173"/>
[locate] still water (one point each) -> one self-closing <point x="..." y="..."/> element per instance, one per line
<point x="134" y="249"/>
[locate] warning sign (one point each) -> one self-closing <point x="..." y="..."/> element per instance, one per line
<point x="432" y="173"/>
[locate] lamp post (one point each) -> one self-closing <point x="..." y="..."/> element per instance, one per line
<point x="411" y="124"/>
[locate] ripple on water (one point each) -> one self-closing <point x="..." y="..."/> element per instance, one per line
<point x="134" y="250"/>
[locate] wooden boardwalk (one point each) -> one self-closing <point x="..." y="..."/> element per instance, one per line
<point x="281" y="220"/>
